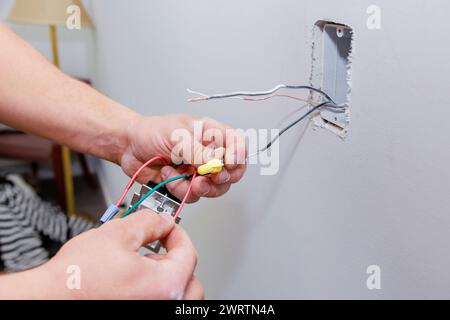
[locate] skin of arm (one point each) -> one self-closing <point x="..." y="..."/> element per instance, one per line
<point x="38" y="98"/>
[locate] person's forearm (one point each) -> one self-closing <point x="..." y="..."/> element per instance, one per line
<point x="36" y="283"/>
<point x="36" y="97"/>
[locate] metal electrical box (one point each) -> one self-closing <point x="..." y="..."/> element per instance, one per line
<point x="337" y="41"/>
<point x="331" y="70"/>
<point x="161" y="201"/>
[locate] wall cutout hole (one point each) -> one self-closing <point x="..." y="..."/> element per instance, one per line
<point x="332" y="46"/>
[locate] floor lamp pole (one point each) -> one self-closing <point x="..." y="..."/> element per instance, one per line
<point x="67" y="168"/>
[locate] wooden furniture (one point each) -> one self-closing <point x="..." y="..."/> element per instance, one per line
<point x="37" y="150"/>
<point x="21" y="146"/>
<point x="17" y="145"/>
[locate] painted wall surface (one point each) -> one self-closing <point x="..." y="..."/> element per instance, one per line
<point x="335" y="207"/>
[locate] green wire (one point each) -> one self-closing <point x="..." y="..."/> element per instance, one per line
<point x="148" y="194"/>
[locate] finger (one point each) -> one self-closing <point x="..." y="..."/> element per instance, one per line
<point x="236" y="150"/>
<point x="194" y="290"/>
<point x="180" y="253"/>
<point x="232" y="136"/>
<point x="223" y="176"/>
<point x="178" y="187"/>
<point x="232" y="140"/>
<point x="204" y="187"/>
<point x="205" y="142"/>
<point x="131" y="165"/>
<point x="218" y="190"/>
<point x="213" y="152"/>
<point x="237" y="173"/>
<point x="198" y="154"/>
<point x="208" y="153"/>
<point x="201" y="186"/>
<point x="155" y="256"/>
<point x="220" y="178"/>
<point x="140" y="228"/>
<point x="218" y="153"/>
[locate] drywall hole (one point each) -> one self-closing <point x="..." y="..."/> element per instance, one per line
<point x="331" y="61"/>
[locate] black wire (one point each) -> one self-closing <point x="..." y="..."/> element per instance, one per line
<point x="312" y="89"/>
<point x="294" y="123"/>
<point x="330" y="102"/>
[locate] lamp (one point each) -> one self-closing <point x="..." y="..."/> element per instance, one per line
<point x="52" y="13"/>
<point x="46" y="12"/>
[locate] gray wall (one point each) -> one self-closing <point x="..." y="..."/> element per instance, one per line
<point x="379" y="197"/>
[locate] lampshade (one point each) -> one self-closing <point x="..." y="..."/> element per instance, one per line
<point x="48" y="12"/>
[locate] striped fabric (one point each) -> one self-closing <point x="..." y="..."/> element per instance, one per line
<point x="31" y="230"/>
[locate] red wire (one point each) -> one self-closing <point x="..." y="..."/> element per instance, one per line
<point x="133" y="179"/>
<point x="188" y="192"/>
<point x="135" y="176"/>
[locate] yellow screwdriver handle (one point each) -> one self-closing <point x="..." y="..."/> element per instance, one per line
<point x="212" y="166"/>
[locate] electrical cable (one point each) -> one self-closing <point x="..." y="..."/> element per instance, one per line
<point x="145" y="196"/>
<point x="274" y="95"/>
<point x="306" y="114"/>
<point x="329" y="103"/>
<point x="109" y="214"/>
<point x="188" y="192"/>
<point x="135" y="176"/>
<point x="289" y="126"/>
<point x="203" y="97"/>
<point x="254" y="94"/>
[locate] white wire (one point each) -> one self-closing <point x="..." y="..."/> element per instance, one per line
<point x="243" y="95"/>
<point x="196" y="92"/>
<point x="252" y="94"/>
<point x="238" y="93"/>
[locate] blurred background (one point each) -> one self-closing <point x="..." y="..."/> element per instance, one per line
<point x="37" y="159"/>
<point x="336" y="206"/>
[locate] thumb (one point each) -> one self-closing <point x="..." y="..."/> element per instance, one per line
<point x="143" y="227"/>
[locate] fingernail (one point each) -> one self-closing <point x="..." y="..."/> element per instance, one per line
<point x="224" y="176"/>
<point x="204" y="189"/>
<point x="240" y="158"/>
<point x="165" y="171"/>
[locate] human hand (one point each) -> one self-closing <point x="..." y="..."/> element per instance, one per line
<point x="111" y="268"/>
<point x="189" y="139"/>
